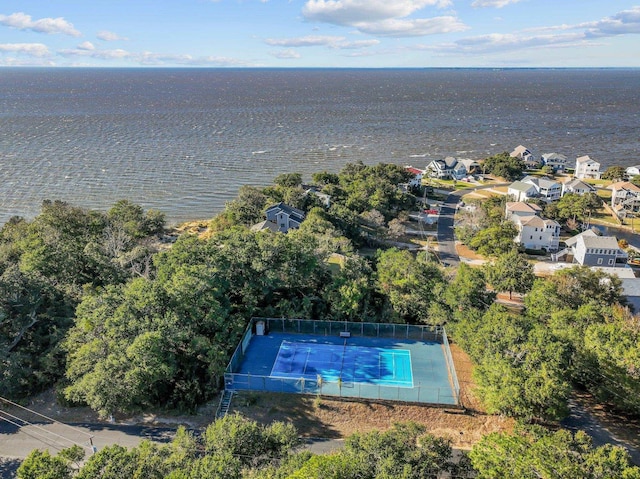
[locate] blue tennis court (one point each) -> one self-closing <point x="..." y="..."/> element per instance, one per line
<point x="413" y="366"/>
<point x="346" y="363"/>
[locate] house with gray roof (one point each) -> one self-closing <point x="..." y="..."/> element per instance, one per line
<point x="282" y="218"/>
<point x="625" y="198"/>
<point x="522" y="153"/>
<point x="450" y="167"/>
<point x="534" y="232"/>
<point x="520" y="191"/>
<point x="547" y="190"/>
<point x="577" y="187"/>
<point x="590" y="249"/>
<point x="586" y="168"/>
<point x="556" y="161"/>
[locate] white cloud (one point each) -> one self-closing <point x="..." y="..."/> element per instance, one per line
<point x="321" y="41"/>
<point x="348" y="12"/>
<point x="357" y="45"/>
<point x="148" y="58"/>
<point x="93" y="53"/>
<point x="110" y="36"/>
<point x="412" y="28"/>
<point x="30" y="49"/>
<point x="382" y="17"/>
<point x="288" y="54"/>
<point x="22" y="21"/>
<point x="308" y="41"/>
<point x="622" y="23"/>
<point x="86" y="46"/>
<point x="492" y="3"/>
<point x="583" y="34"/>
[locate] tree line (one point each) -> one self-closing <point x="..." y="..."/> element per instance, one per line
<point x="237" y="448"/>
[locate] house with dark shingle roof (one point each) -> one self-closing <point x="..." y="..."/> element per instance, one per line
<point x="285" y="217"/>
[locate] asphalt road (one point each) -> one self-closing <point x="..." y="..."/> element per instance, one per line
<point x="446" y="233"/>
<point x="580" y="419"/>
<point x="446" y="230"/>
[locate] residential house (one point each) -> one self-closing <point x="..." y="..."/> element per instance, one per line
<point x="521" y="208"/>
<point x="534" y="232"/>
<point x="522" y="153"/>
<point x="586" y="168"/>
<point x="520" y="191"/>
<point x="472" y="166"/>
<point x="324" y="198"/>
<point x="632" y="171"/>
<point x="625" y="198"/>
<point x="556" y="161"/>
<point x="589" y="249"/>
<point x="446" y="169"/>
<point x="548" y="190"/>
<point x="578" y="187"/>
<point x="282" y="218"/>
<point x="417" y="176"/>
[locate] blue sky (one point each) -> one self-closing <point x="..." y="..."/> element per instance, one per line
<point x="320" y="33"/>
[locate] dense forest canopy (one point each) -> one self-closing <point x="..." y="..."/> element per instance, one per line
<point x="100" y="306"/>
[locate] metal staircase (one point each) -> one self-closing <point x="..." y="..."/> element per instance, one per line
<point x="225" y="404"/>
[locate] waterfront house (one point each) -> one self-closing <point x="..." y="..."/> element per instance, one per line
<point x="417" y="176"/>
<point x="282" y="218"/>
<point x="446" y="169"/>
<point x="522" y="153"/>
<point x="556" y="161"/>
<point x="548" y="190"/>
<point x="472" y="166"/>
<point x="586" y="168"/>
<point x="520" y="191"/>
<point x="578" y="187"/>
<point x="534" y="232"/>
<point x="625" y="198"/>
<point x="632" y="171"/>
<point x="589" y="249"/>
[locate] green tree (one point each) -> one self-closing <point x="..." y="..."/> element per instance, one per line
<point x="288" y="180"/>
<point x="534" y="452"/>
<point x="248" y="207"/>
<point x="325" y="178"/>
<point x="408" y="282"/>
<point x="511" y="272"/>
<point x="505" y="166"/>
<point x="42" y="465"/>
<point x="614" y="173"/>
<point x="495" y="240"/>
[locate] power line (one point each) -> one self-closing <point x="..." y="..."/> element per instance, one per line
<point x="27" y="423"/>
<point x="45" y="417"/>
<point x="23" y="422"/>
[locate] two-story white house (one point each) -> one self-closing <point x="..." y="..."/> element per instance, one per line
<point x="556" y="161"/>
<point x="448" y="168"/>
<point x="632" y="171"/>
<point x="417" y="176"/>
<point x="586" y="168"/>
<point x="548" y="190"/>
<point x="520" y="191"/>
<point x="534" y="232"/>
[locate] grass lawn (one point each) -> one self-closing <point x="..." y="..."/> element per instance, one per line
<point x="600" y="183"/>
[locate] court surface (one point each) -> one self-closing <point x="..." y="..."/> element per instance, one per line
<point x="347" y="363"/>
<point x="363" y="367"/>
